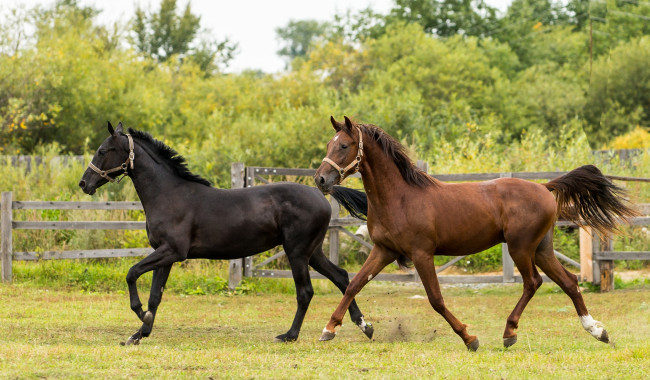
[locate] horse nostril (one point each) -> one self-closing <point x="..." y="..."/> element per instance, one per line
<point x="322" y="180"/>
<point x="82" y="184"/>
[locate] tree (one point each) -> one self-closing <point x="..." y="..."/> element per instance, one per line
<point x="528" y="21"/>
<point x="167" y="33"/>
<point x="297" y="37"/>
<point x="448" y="17"/>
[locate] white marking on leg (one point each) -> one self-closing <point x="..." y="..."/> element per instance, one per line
<point x="325" y="330"/>
<point x="363" y="325"/>
<point x="369" y="277"/>
<point x="594" y="327"/>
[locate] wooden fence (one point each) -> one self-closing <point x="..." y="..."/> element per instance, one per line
<point x="595" y="257"/>
<point x="7" y="225"/>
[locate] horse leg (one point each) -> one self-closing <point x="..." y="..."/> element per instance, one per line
<point x="162" y="257"/>
<point x="426" y="269"/>
<point x="532" y="281"/>
<point x="339" y="277"/>
<point x="304" y="294"/>
<point x="158" y="283"/>
<point x="378" y="259"/>
<point x="547" y="262"/>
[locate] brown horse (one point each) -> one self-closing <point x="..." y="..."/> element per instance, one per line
<point x="412" y="215"/>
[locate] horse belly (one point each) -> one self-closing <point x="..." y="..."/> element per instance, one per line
<point x="235" y="237"/>
<point x="471" y="236"/>
<point x="462" y="247"/>
<point x="232" y="246"/>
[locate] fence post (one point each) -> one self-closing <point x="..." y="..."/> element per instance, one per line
<point x="334" y="233"/>
<point x="586" y="254"/>
<point x="506" y="260"/>
<point x="607" y="267"/>
<point x="249" y="181"/>
<point x="7" y="249"/>
<point x="595" y="264"/>
<point x="424" y="166"/>
<point x="235" y="266"/>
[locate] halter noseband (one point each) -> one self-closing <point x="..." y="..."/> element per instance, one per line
<point x="352" y="164"/>
<point x="124" y="166"/>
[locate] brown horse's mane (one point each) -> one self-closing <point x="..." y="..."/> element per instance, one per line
<point x="392" y="148"/>
<point x="170" y="156"/>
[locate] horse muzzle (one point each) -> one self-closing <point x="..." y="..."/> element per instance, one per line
<point x="326" y="181"/>
<point x="87" y="189"/>
<point x="88" y="184"/>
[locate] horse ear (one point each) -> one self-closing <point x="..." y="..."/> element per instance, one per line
<point x="348" y="123"/>
<point x="119" y="129"/>
<point x="110" y="129"/>
<point x="337" y="126"/>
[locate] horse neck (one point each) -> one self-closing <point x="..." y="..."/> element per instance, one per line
<point x="381" y="178"/>
<point x="151" y="178"/>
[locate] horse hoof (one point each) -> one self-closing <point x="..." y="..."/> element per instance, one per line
<point x="472" y="346"/>
<point x="327" y="336"/>
<point x="604" y="337"/>
<point x="131" y="341"/>
<point x="507" y="342"/>
<point x="369" y="331"/>
<point x="284" y="338"/>
<point x="147" y="318"/>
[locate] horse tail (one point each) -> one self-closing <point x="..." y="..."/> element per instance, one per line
<point x="586" y="197"/>
<point x="356" y="202"/>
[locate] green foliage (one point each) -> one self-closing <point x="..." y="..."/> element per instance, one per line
<point x="167" y="33"/>
<point x="298" y="36"/>
<point x="525" y="75"/>
<point x="200" y="277"/>
<point x="449" y="17"/>
<point x="620" y="95"/>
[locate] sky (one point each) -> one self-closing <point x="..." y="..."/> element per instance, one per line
<point x="249" y="23"/>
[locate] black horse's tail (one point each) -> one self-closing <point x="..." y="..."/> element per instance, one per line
<point x="586" y="197"/>
<point x="356" y="202"/>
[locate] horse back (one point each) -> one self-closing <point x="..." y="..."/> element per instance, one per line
<point x="470" y="217"/>
<point x="242" y="222"/>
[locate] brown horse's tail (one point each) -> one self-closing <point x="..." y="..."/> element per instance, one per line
<point x="586" y="197"/>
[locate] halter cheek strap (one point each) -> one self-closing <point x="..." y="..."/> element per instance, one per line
<point x="354" y="164"/>
<point x="128" y="163"/>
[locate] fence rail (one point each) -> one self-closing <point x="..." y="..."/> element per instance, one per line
<point x="595" y="256"/>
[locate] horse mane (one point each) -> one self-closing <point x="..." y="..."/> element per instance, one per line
<point x="175" y="161"/>
<point x="392" y="148"/>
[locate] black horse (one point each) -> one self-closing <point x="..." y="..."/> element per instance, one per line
<point x="189" y="219"/>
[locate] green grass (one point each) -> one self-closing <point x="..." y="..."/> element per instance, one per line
<point x="73" y="334"/>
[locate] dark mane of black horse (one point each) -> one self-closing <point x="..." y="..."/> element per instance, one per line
<point x="393" y="149"/>
<point x="174" y="160"/>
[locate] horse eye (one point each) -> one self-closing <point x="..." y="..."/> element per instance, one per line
<point x="344" y="146"/>
<point x="102" y="152"/>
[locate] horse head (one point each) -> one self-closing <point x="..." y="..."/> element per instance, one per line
<point x="344" y="153"/>
<point x="113" y="158"/>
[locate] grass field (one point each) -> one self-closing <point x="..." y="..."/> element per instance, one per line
<point x="72" y="334"/>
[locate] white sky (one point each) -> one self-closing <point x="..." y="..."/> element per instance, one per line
<point x="250" y="23"/>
